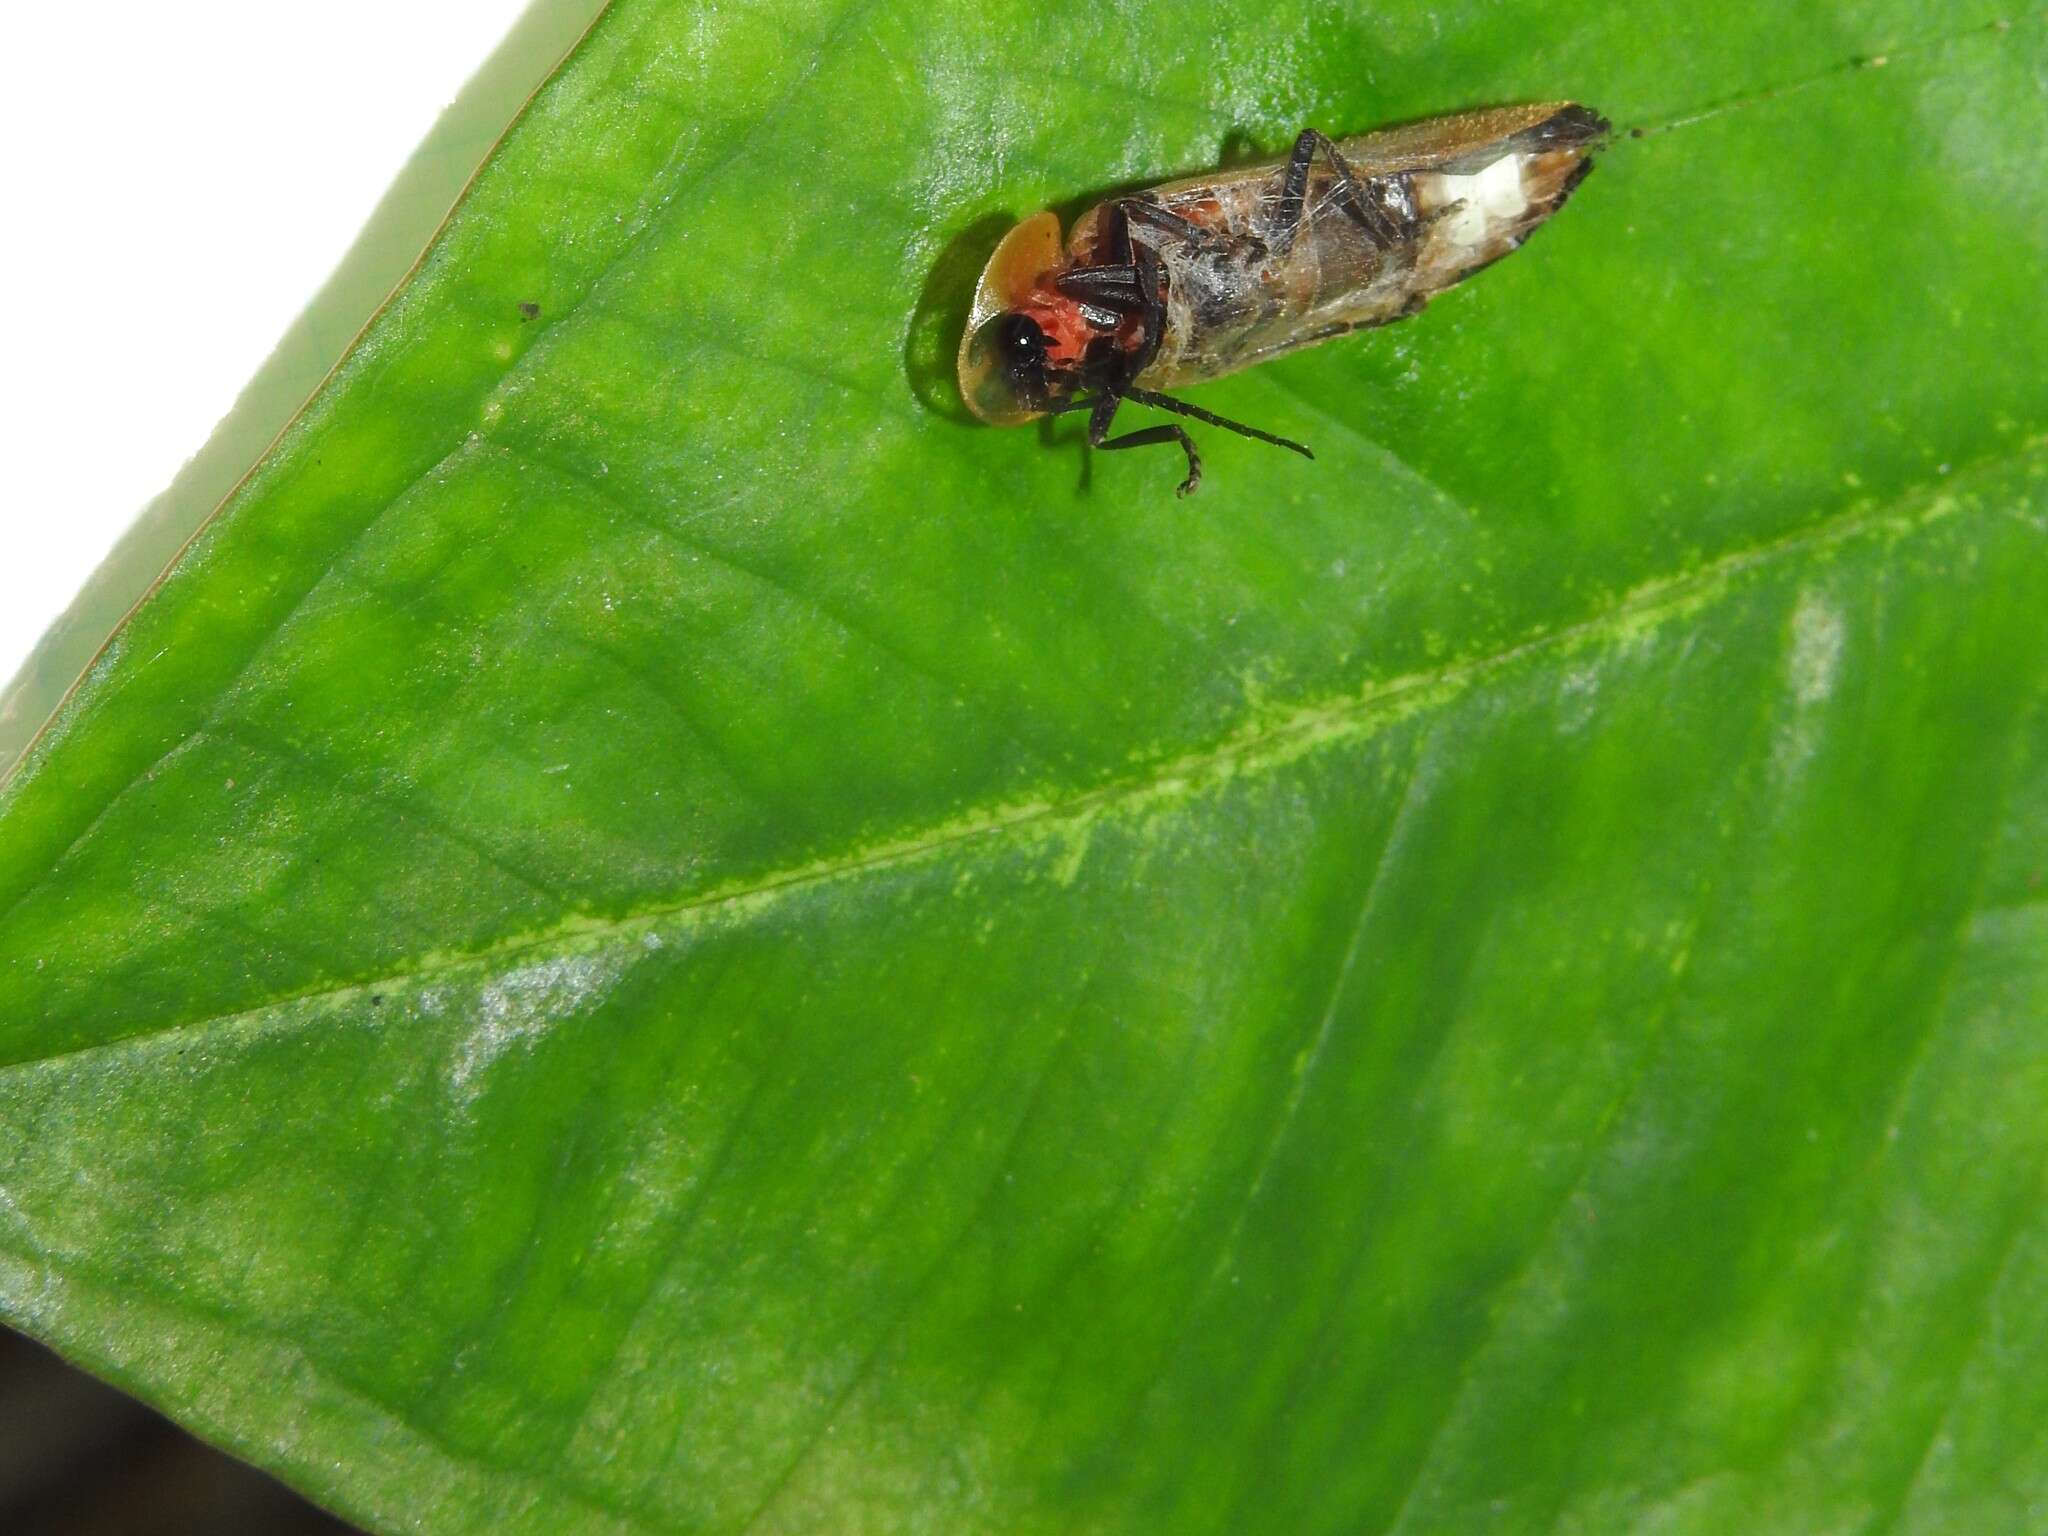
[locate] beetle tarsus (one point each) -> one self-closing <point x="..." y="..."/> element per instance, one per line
<point x="1102" y="411"/>
<point x="1144" y="437"/>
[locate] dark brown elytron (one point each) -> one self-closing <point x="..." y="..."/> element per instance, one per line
<point x="1199" y="278"/>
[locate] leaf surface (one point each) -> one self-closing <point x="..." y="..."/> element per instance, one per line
<point x="654" y="932"/>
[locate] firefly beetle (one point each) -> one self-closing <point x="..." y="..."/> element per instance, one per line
<point x="1198" y="278"/>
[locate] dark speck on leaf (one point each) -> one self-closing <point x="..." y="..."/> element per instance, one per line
<point x="528" y="310"/>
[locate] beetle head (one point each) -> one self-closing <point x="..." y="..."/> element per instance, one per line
<point x="1009" y="375"/>
<point x="1013" y="356"/>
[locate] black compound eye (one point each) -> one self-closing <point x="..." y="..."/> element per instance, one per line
<point x="1020" y="339"/>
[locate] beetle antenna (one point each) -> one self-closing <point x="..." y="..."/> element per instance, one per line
<point x="1182" y="408"/>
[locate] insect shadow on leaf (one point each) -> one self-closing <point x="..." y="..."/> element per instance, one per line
<point x="931" y="342"/>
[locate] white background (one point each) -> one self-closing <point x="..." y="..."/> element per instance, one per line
<point x="180" y="180"/>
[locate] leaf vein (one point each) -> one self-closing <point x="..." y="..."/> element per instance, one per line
<point x="1249" y="750"/>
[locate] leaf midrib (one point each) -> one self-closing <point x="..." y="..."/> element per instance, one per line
<point x="1255" y="748"/>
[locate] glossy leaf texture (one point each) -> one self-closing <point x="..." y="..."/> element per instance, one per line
<point x="653" y="932"/>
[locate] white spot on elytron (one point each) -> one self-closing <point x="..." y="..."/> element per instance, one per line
<point x="523" y="1005"/>
<point x="1488" y="199"/>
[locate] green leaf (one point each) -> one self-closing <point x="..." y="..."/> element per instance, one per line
<point x="653" y="932"/>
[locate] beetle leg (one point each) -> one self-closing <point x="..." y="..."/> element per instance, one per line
<point x="1385" y="209"/>
<point x="1103" y="411"/>
<point x="1113" y="287"/>
<point x="1146" y="436"/>
<point x="1152" y="290"/>
<point x="1166" y="222"/>
<point x="1134" y="283"/>
<point x="1198" y="238"/>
